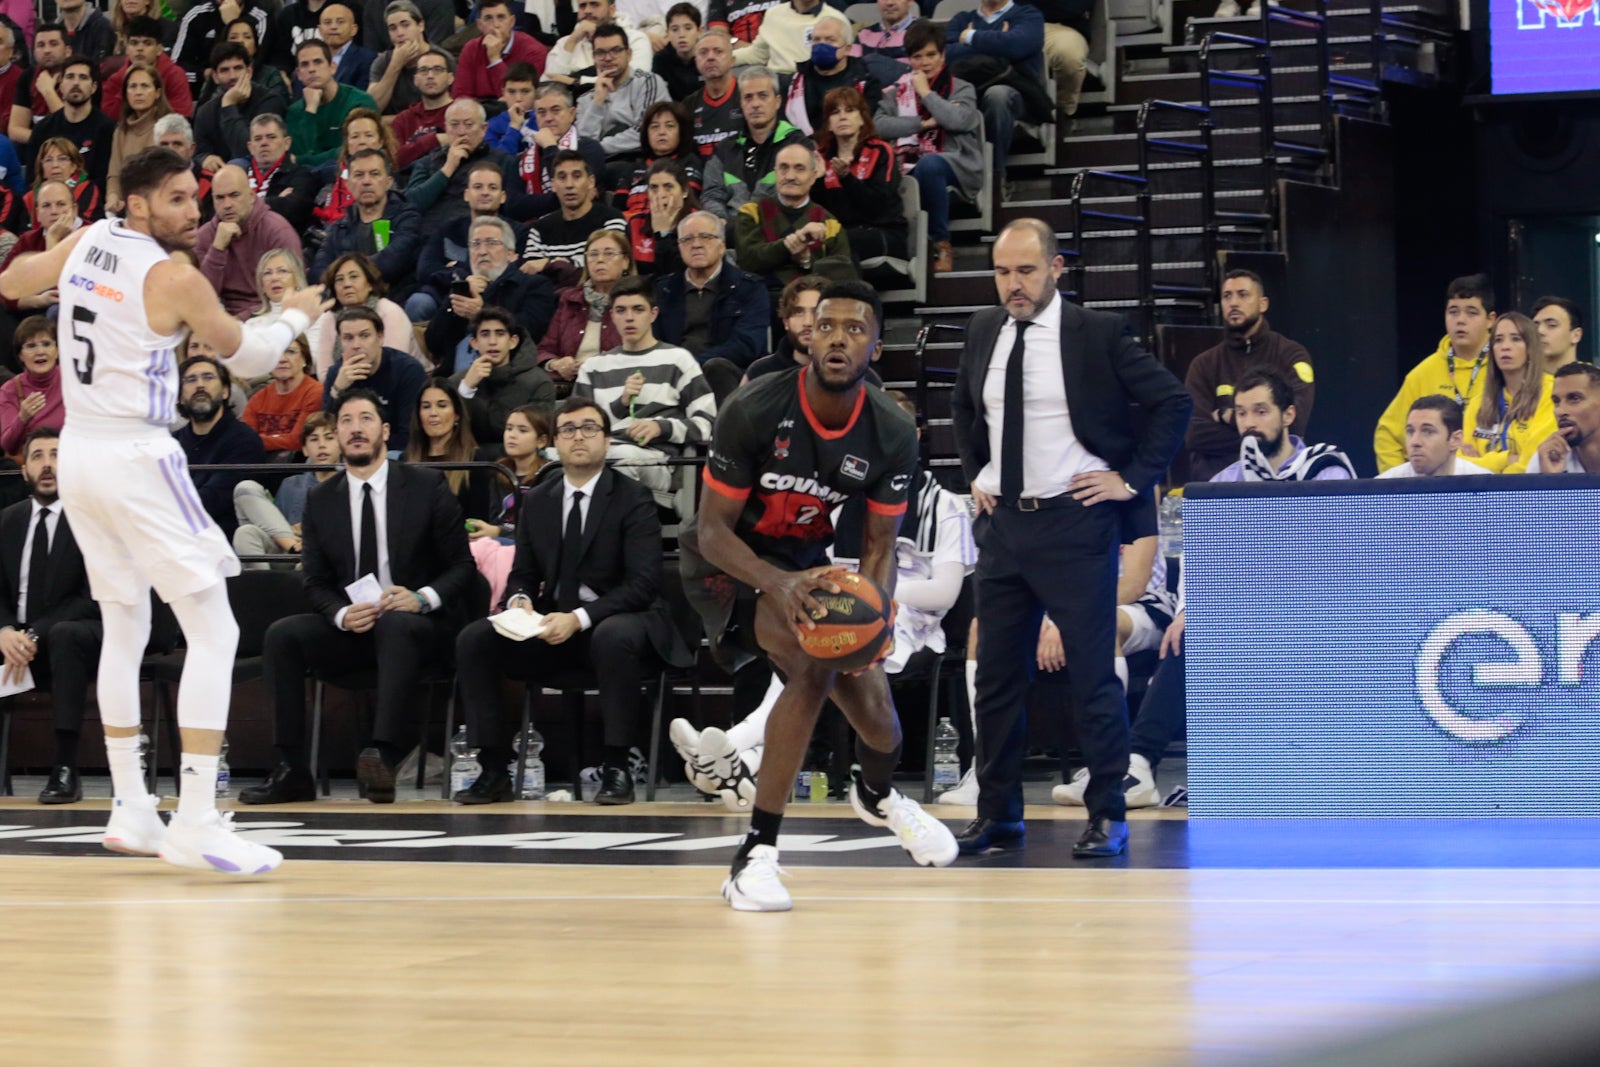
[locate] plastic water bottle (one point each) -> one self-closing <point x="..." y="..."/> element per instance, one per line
<point x="532" y="767"/>
<point x="464" y="765"/>
<point x="946" y="757"/>
<point x="224" y="776"/>
<point x="1171" y="524"/>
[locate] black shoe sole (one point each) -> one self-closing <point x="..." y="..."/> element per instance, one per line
<point x="60" y="798"/>
<point x="1099" y="852"/>
<point x="254" y="799"/>
<point x="375" y="779"/>
<point x="614" y="800"/>
<point x="976" y="849"/>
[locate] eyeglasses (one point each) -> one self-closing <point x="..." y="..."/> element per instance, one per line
<point x="698" y="239"/>
<point x="433" y="70"/>
<point x="605" y="253"/>
<point x="486" y="242"/>
<point x="610" y="52"/>
<point x="587" y="429"/>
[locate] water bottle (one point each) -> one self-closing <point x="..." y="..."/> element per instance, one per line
<point x="946" y="757"/>
<point x="464" y="765"/>
<point x="144" y="754"/>
<point x="1171" y="522"/>
<point x="532" y="767"/>
<point x="224" y="776"/>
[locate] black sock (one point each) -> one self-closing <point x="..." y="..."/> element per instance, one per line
<point x="67" y="748"/>
<point x="616" y="756"/>
<point x="392" y="753"/>
<point x="495" y="756"/>
<point x="763" y="831"/>
<point x="877" y="773"/>
<point x="294" y="756"/>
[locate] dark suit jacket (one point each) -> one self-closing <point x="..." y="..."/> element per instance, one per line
<point x="1126" y="407"/>
<point x="621" y="556"/>
<point x="65" y="596"/>
<point x="426" y="532"/>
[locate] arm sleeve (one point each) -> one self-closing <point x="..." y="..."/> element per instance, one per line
<point x="262" y="343"/>
<point x="11" y="425"/>
<point x="937" y="593"/>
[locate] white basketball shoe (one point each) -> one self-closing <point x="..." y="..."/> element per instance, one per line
<point x="731" y="772"/>
<point x="758" y="885"/>
<point x="926" y="839"/>
<point x="135" y="827"/>
<point x="212" y="844"/>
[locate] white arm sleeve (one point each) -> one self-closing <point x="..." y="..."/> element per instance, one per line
<point x="934" y="594"/>
<point x="263" y="343"/>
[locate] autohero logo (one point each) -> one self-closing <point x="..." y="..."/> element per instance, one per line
<point x="89" y="285"/>
<point x="1524" y="667"/>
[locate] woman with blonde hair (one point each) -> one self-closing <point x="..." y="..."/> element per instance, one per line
<point x="581" y="327"/>
<point x="143" y="102"/>
<point x="1516" y="411"/>
<point x="279" y="272"/>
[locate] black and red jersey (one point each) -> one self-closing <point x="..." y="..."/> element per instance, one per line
<point x="769" y="452"/>
<point x="742" y="17"/>
<point x="715" y="120"/>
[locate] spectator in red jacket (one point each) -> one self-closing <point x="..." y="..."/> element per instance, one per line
<point x="482" y="71"/>
<point x="418" y="127"/>
<point x="144" y="49"/>
<point x="32" y="399"/>
<point x="582" y="326"/>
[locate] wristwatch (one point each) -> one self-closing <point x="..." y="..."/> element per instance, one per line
<point x="1131" y="490"/>
<point x="31" y="634"/>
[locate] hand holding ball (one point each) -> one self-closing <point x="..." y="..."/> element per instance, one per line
<point x="854" y="625"/>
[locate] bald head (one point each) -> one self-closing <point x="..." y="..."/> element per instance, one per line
<point x="52" y="202"/>
<point x="230" y="194"/>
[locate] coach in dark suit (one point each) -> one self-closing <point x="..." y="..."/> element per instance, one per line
<point x="589" y="560"/>
<point x="402" y="525"/>
<point x="1064" y="424"/>
<point x="48" y="620"/>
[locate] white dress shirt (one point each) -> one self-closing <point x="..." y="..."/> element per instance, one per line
<point x="51" y="517"/>
<point x="1051" y="452"/>
<point x="380" y="497"/>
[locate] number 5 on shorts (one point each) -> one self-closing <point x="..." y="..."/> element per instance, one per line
<point x="83" y="368"/>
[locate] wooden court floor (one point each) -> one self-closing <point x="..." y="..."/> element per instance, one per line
<point x="129" y="962"/>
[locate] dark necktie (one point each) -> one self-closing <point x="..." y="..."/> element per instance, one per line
<point x="367" y="561"/>
<point x="1011" y="421"/>
<point x="38" y="564"/>
<point x="571" y="549"/>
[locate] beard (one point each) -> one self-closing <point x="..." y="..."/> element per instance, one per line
<point x="1270" y="445"/>
<point x="45" y="497"/>
<point x="173" y="237"/>
<point x="1246" y="325"/>
<point x="200" y="407"/>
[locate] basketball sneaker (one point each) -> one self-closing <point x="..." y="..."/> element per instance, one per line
<point x="965" y="793"/>
<point x="732" y="777"/>
<point x="928" y="840"/>
<point x="135" y="827"/>
<point x="1138" y="787"/>
<point x="212" y="844"/>
<point x="757" y="885"/>
<point x="686" y="740"/>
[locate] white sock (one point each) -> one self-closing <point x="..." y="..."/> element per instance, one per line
<point x="197" y="787"/>
<point x="751" y="731"/>
<point x="1120" y="665"/>
<point x="127" y="777"/>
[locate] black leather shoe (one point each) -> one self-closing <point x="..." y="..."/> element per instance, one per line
<point x="492" y="787"/>
<point x="284" y="785"/>
<point x="616" y="786"/>
<point x="983" y="834"/>
<point x="64" y="787"/>
<point x="1101" y="838"/>
<point x="374" y="778"/>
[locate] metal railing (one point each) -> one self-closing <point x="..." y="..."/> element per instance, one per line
<point x="1140" y="222"/>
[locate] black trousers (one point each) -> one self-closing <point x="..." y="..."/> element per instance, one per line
<point x="1060" y="561"/>
<point x="1163" y="712"/>
<point x="617" y="653"/>
<point x="400" y="648"/>
<point x="68" y="660"/>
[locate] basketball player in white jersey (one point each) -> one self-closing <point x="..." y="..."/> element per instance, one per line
<point x="135" y="513"/>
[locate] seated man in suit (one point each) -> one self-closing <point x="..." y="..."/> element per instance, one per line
<point x="402" y="526"/>
<point x="588" y="558"/>
<point x="45" y="607"/>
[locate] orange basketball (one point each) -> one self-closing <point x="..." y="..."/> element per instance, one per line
<point x="855" y="626"/>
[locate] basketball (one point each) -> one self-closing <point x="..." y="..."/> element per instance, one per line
<point x="856" y="624"/>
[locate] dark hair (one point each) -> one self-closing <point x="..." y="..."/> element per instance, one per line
<point x="920" y="34"/>
<point x="78" y="59"/>
<point x="148" y="169"/>
<point x="907" y="405"/>
<point x="1282" y="392"/>
<point x="522" y="72"/>
<point x="485" y="165"/>
<point x="680" y="115"/>
<point x="789" y="299"/>
<point x="570" y="155"/>
<point x="313" y="42"/>
<point x="374" y="277"/>
<point x="1242" y="272"/>
<point x="538" y="417"/>
<point x="844" y="98"/>
<point x="856" y="290"/>
<point x="43" y="433"/>
<point x="494" y="3"/>
<point x="222" y="372"/>
<point x="358" y="314"/>
<point x="611" y="29"/>
<point x="581" y="403"/>
<point x="32" y="327"/>
<point x="229" y="50"/>
<point x="1473" y="286"/>
<point x="634" y="285"/>
<point x="141" y="26"/>
<point x="680" y="174"/>
<point x="491" y="313"/>
<point x="1449" y="411"/>
<point x="350" y="396"/>
<point x="462" y="444"/>
<point x="251" y="26"/>
<point x="317" y="420"/>
<point x="373" y="153"/>
<point x="1574" y="312"/>
<point x="50" y="27"/>
<point x="1588" y="370"/>
<point x="688" y="11"/>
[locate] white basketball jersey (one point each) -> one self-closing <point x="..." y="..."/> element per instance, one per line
<point x="114" y="366"/>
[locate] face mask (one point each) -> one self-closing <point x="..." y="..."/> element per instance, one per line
<point x="824" y="55"/>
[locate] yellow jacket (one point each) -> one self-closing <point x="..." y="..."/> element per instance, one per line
<point x="1522" y="439"/>
<point x="1430" y="376"/>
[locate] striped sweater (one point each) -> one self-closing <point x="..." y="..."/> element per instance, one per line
<point x="675" y="393"/>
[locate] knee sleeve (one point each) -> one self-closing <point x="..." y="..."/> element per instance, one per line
<point x="212" y="637"/>
<point x="127" y="631"/>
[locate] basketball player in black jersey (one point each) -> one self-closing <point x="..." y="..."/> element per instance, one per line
<point x="787" y="449"/>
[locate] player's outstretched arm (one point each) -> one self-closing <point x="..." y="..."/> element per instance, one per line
<point x="249" y="349"/>
<point x="32" y="274"/>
